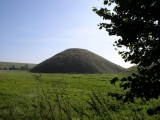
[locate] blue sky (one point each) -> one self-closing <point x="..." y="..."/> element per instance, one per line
<point x="34" y="30"/>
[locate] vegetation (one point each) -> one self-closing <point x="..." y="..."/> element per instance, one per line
<point x="16" y="66"/>
<point x="25" y="95"/>
<point x="77" y="61"/>
<point x="138" y="25"/>
<point x="129" y="71"/>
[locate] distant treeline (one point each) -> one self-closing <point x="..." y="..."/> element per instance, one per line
<point x="25" y="67"/>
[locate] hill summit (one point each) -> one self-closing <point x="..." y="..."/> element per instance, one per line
<point x="77" y="60"/>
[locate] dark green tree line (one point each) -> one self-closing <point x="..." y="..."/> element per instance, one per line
<point x="137" y="23"/>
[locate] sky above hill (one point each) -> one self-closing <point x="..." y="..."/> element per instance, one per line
<point x="32" y="31"/>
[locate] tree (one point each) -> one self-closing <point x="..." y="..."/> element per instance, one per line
<point x="12" y="68"/>
<point x="22" y="68"/>
<point x="5" y="68"/>
<point x="26" y="66"/>
<point x="137" y="23"/>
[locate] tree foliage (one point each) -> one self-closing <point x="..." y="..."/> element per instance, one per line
<point x="137" y="23"/>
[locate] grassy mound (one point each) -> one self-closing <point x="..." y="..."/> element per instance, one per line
<point x="129" y="71"/>
<point x="77" y="61"/>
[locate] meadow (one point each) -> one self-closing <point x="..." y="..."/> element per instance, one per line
<point x="25" y="95"/>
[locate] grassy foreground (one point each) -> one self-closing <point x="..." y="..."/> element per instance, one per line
<point x="25" y="95"/>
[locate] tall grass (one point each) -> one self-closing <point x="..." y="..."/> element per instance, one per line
<point x="24" y="96"/>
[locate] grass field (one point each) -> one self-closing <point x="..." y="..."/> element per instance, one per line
<point x="25" y="95"/>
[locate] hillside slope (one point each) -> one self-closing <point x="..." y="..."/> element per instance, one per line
<point x="7" y="65"/>
<point x="129" y="71"/>
<point x="77" y="61"/>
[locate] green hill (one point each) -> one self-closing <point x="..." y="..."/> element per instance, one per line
<point x="77" y="61"/>
<point x="129" y="71"/>
<point x="8" y="65"/>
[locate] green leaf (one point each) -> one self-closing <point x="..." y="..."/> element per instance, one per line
<point x="94" y="9"/>
<point x="114" y="80"/>
<point x="100" y="27"/>
<point x="105" y="2"/>
<point x="109" y="4"/>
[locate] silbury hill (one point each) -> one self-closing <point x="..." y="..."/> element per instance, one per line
<point x="77" y="61"/>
